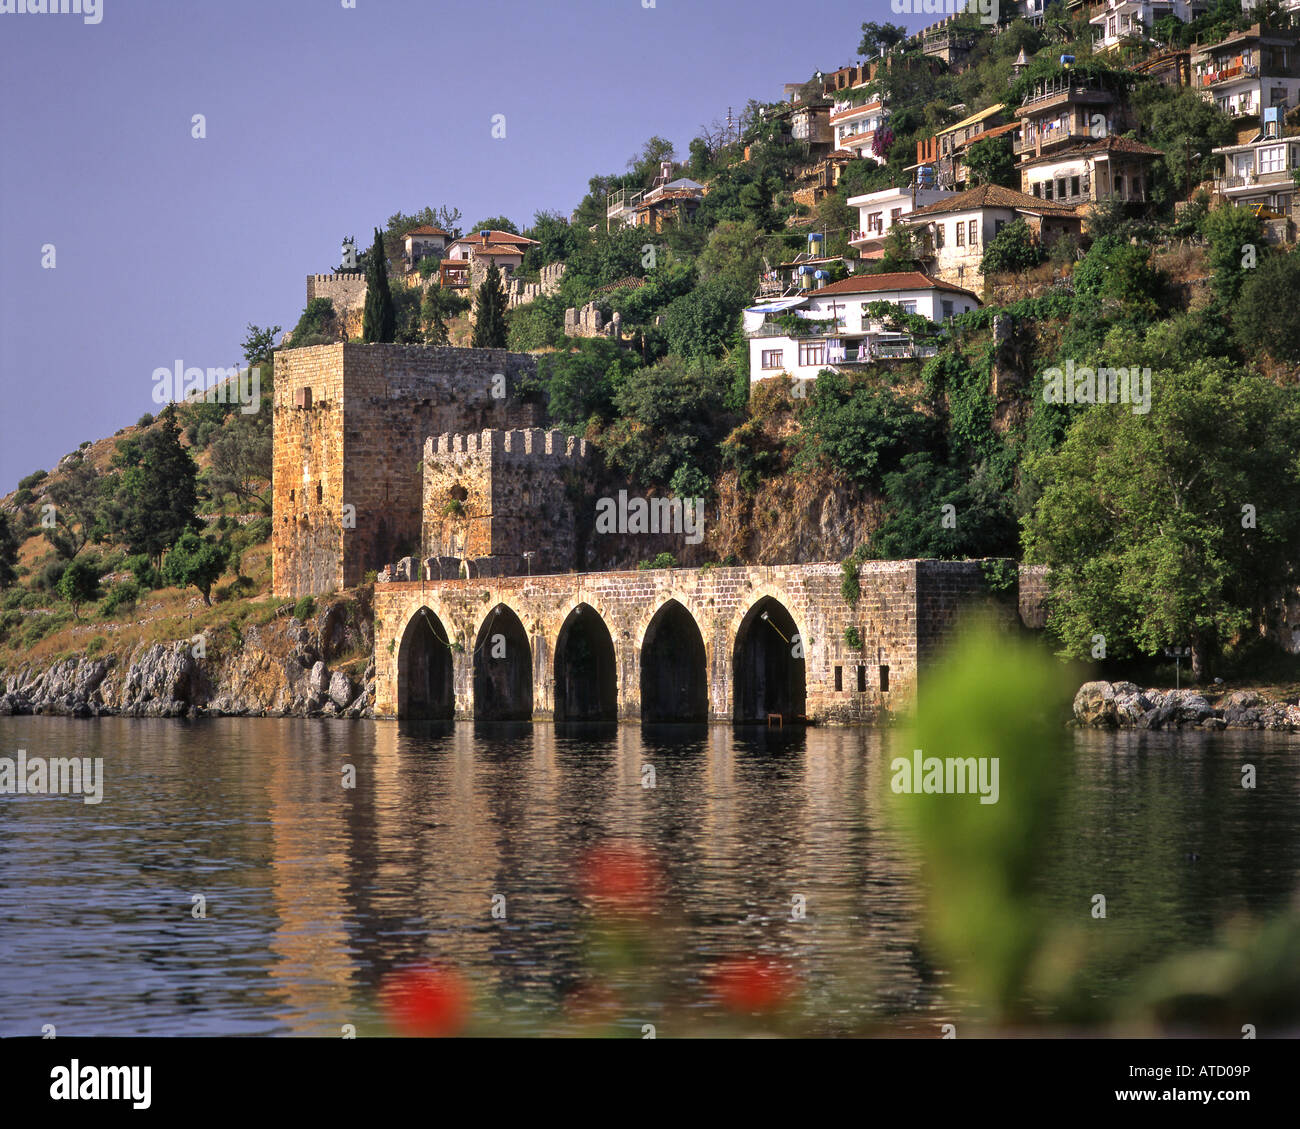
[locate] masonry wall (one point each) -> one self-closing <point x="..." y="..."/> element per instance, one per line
<point x="362" y="440"/>
<point x="347" y="289"/>
<point x="900" y="603"/>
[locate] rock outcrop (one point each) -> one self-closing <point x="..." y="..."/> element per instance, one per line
<point x="283" y="668"/>
<point x="1124" y="705"/>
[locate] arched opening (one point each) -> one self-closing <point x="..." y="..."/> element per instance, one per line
<point x="769" y="665"/>
<point x="424" y="670"/>
<point x="503" y="669"/>
<point x="586" y="678"/>
<point x="674" y="675"/>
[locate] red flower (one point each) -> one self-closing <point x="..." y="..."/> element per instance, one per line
<point x="621" y="878"/>
<point x="425" y="1002"/>
<point x="750" y="984"/>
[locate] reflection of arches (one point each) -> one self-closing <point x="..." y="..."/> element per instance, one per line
<point x="674" y="675"/>
<point x="503" y="669"/>
<point x="768" y="664"/>
<point x="586" y="678"/>
<point x="424" y="670"/>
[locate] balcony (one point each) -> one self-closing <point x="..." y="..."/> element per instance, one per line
<point x="1031" y="140"/>
<point x="1254" y="180"/>
<point x="1228" y="74"/>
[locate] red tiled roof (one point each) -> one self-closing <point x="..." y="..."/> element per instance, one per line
<point x="425" y="229"/>
<point x="898" y="280"/>
<point x="495" y="236"/>
<point x="987" y="196"/>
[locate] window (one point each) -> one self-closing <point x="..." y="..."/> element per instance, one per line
<point x="884" y="679"/>
<point x="773" y="358"/>
<point x="894" y="213"/>
<point x="839" y="678"/>
<point x="998" y="225"/>
<point x="938" y="235"/>
<point x="961" y="234"/>
<point x="1074" y="186"/>
<point x="873" y="222"/>
<point x="812" y="353"/>
<point x="1119" y="184"/>
<point x="862" y="679"/>
<point x="908" y="307"/>
<point x="320" y="493"/>
<point x="1272" y="159"/>
<point x="947" y="309"/>
<point x="1047" y="190"/>
<point x="974" y="233"/>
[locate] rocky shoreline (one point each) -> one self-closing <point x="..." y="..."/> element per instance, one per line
<point x="1125" y="705"/>
<point x="279" y="669"/>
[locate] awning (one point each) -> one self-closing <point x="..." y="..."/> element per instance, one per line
<point x="755" y="315"/>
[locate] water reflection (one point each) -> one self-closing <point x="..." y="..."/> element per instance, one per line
<point x="315" y="890"/>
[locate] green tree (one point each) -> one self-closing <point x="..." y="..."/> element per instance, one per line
<point x="701" y="323"/>
<point x="495" y="223"/>
<point x="155" y="494"/>
<point x="582" y="382"/>
<point x="991" y="162"/>
<point x="490" y="329"/>
<point x="194" y="560"/>
<point x="1173" y="527"/>
<point x="259" y="346"/>
<point x="378" y="320"/>
<point x="1014" y="248"/>
<point x="241" y="459"/>
<point x="77" y="497"/>
<point x="318" y="325"/>
<point x="880" y="39"/>
<point x="734" y="251"/>
<point x="8" y="552"/>
<point x="79" y="583"/>
<point x="1235" y="238"/>
<point x="1267" y="316"/>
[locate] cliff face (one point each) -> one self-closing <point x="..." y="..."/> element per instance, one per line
<point x="284" y="668"/>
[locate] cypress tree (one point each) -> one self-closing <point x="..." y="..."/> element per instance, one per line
<point x="379" y="322"/>
<point x="490" y="313"/>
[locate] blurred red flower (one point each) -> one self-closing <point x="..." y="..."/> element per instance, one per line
<point x="749" y="984"/>
<point x="620" y="878"/>
<point x="425" y="1002"/>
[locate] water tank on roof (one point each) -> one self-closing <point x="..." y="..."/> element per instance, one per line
<point x="925" y="176"/>
<point x="1067" y="60"/>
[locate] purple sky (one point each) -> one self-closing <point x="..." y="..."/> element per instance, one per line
<point x="321" y="122"/>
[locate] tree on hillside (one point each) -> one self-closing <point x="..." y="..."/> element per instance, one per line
<point x="702" y="322"/>
<point x="490" y="329"/>
<point x="734" y="250"/>
<point x="991" y="162"/>
<point x="1173" y="527"/>
<point x="378" y="320"/>
<point x="241" y="459"/>
<point x="259" y="346"/>
<point x="154" y="496"/>
<point x="8" y="552"/>
<point x="79" y="583"/>
<point x="880" y="39"/>
<point x="1231" y="232"/>
<point x="1266" y="317"/>
<point x="1014" y="248"/>
<point x="77" y="497"/>
<point x="194" y="560"/>
<point x="582" y="381"/>
<point x="495" y="223"/>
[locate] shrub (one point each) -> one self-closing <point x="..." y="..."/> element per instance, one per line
<point x="145" y="420"/>
<point x="663" y="560"/>
<point x="142" y="568"/>
<point x="1014" y="248"/>
<point x="304" y="609"/>
<point x="96" y="645"/>
<point x="121" y="597"/>
<point x="852" y="639"/>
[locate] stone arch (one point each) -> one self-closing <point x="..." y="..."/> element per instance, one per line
<point x="502" y="667"/>
<point x="586" y="668"/>
<point x="769" y="672"/>
<point x="674" y="666"/>
<point x="425" y="668"/>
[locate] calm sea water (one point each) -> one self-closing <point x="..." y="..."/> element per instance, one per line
<point x="315" y="892"/>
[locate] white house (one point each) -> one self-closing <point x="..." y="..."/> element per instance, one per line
<point x="1117" y="20"/>
<point x="957" y="229"/>
<point x="879" y="211"/>
<point x="856" y="126"/>
<point x="841" y="333"/>
<point x="1249" y="71"/>
<point x="502" y="248"/>
<point x="1258" y="174"/>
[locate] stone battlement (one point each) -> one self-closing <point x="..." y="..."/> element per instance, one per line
<point x="531" y="442"/>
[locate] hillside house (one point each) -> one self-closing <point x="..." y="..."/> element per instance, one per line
<point x="1258" y="174"/>
<point x="879" y="211"/>
<point x="1249" y="71"/>
<point x="840" y="331"/>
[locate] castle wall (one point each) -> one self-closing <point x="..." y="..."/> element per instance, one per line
<point x="346" y="289"/>
<point x="501" y="494"/>
<point x="360" y="434"/>
<point x="905" y="611"/>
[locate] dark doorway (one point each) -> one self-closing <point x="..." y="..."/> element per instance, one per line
<point x="424" y="670"/>
<point x="586" y="678"/>
<point x="503" y="669"/>
<point x="769" y="665"/>
<point x="674" y="675"/>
